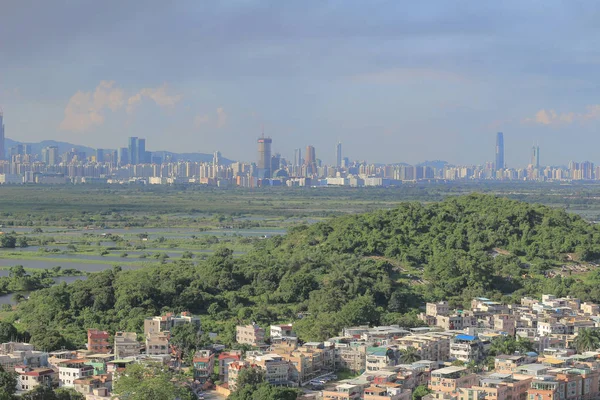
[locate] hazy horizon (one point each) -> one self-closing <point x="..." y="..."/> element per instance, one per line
<point x="394" y="81"/>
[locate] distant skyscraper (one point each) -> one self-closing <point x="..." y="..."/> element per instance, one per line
<point x="100" y="155"/>
<point x="338" y="155"/>
<point x="535" y="157"/>
<point x="499" y="151"/>
<point x="2" y="150"/>
<point x="275" y="163"/>
<point x="216" y="161"/>
<point x="133" y="150"/>
<point x="264" y="157"/>
<point x="297" y="162"/>
<point x="123" y="156"/>
<point x="141" y="151"/>
<point x="310" y="161"/>
<point x="50" y="155"/>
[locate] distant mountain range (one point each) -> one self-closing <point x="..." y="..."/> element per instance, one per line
<point x="63" y="147"/>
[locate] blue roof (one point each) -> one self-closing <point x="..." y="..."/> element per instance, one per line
<point x="532" y="354"/>
<point x="466" y="337"/>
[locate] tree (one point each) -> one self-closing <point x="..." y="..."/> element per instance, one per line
<point x="8" y="382"/>
<point x="251" y="377"/>
<point x="587" y="340"/>
<point x="8" y="332"/>
<point x="151" y="383"/>
<point x="409" y="355"/>
<point x="419" y="392"/>
<point x="188" y="338"/>
<point x="40" y="392"/>
<point x="68" y="394"/>
<point x="8" y="241"/>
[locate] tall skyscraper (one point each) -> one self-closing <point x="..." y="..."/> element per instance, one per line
<point x="338" y="155"/>
<point x="297" y="166"/>
<point x="310" y="161"/>
<point x="99" y="155"/>
<point x="535" y="157"/>
<point x="2" y="149"/>
<point x="264" y="157"/>
<point x="123" y="156"/>
<point x="499" y="151"/>
<point x="216" y="161"/>
<point x="141" y="151"/>
<point x="50" y="155"/>
<point x="133" y="150"/>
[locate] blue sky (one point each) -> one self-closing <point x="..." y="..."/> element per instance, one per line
<point x="393" y="80"/>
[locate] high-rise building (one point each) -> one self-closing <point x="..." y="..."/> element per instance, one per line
<point x="535" y="157"/>
<point x="133" y="150"/>
<point x="141" y="151"/>
<point x="99" y="155"/>
<point x="216" y="161"/>
<point x="264" y="157"/>
<point x="310" y="161"/>
<point x="297" y="162"/>
<point x="499" y="151"/>
<point x="275" y="162"/>
<point x="123" y="156"/>
<point x="2" y="150"/>
<point x="338" y="155"/>
<point x="50" y="155"/>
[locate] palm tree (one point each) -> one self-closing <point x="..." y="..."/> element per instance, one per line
<point x="409" y="356"/>
<point x="587" y="340"/>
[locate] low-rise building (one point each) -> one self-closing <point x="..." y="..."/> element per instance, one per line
<point x="70" y="370"/>
<point x="89" y="386"/>
<point x="225" y="359"/>
<point x="157" y="344"/>
<point x="98" y="341"/>
<point x="165" y="323"/>
<point x="344" y="391"/>
<point x="251" y="334"/>
<point x="126" y="345"/>
<point x="386" y="393"/>
<point x="466" y="348"/>
<point x="204" y="363"/>
<point x="29" y="378"/>
<point x="450" y="379"/>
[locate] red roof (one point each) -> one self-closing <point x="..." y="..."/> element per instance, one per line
<point x="38" y="372"/>
<point x="223" y="356"/>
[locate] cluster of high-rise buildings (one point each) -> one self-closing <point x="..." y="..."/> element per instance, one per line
<point x="134" y="163"/>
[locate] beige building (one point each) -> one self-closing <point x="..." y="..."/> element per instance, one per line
<point x="126" y="345"/>
<point x="29" y="378"/>
<point x="157" y="344"/>
<point x="344" y="391"/>
<point x="251" y="334"/>
<point x="450" y="379"/>
<point x="435" y="309"/>
<point x="165" y="323"/>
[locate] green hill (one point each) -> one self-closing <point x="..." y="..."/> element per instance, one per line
<point x="377" y="267"/>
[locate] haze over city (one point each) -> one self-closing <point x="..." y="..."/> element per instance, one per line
<point x="394" y="81"/>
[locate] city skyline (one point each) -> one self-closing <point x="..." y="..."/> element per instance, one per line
<point x="417" y="81"/>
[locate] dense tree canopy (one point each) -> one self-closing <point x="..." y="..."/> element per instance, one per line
<point x="369" y="268"/>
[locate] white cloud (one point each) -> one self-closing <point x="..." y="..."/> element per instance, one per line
<point x="201" y="120"/>
<point x="159" y="95"/>
<point x="221" y="117"/>
<point x="552" y="118"/>
<point x="86" y="109"/>
<point x="216" y="121"/>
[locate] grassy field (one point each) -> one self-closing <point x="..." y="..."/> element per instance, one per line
<point x="133" y="226"/>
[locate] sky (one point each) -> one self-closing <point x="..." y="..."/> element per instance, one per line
<point x="394" y="81"/>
